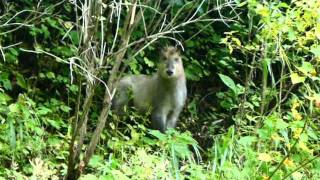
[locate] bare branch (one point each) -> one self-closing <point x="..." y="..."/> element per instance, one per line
<point x="89" y="74"/>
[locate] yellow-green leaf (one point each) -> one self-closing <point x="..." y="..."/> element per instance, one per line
<point x="316" y="51"/>
<point x="265" y="157"/>
<point x="237" y="41"/>
<point x="68" y="24"/>
<point x="295" y="78"/>
<point x="306" y="68"/>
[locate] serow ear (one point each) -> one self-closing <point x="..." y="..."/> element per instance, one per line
<point x="177" y="50"/>
<point x="163" y="52"/>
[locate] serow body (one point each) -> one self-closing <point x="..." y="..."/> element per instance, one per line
<point x="164" y="93"/>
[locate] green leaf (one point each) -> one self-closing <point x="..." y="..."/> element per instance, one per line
<point x="280" y="124"/>
<point x="89" y="177"/>
<point x="74" y="36"/>
<point x="133" y="64"/>
<point x="65" y="108"/>
<point x="43" y="110"/>
<point x="194" y="71"/>
<point x="41" y="75"/>
<point x="148" y="62"/>
<point x="283" y="5"/>
<point x="158" y="134"/>
<point x="54" y="141"/>
<point x="45" y="31"/>
<point x="50" y="75"/>
<point x="64" y="51"/>
<point x="228" y="82"/>
<point x="295" y="78"/>
<point x="13" y="108"/>
<point x="190" y="44"/>
<point x="13" y="51"/>
<point x="11" y="58"/>
<point x="95" y="161"/>
<point x="20" y="81"/>
<point x="237" y="41"/>
<point x="12" y="135"/>
<point x="7" y="84"/>
<point x="242" y="4"/>
<point x="316" y="51"/>
<point x="4" y="79"/>
<point x="4" y="98"/>
<point x="291" y="34"/>
<point x="149" y="141"/>
<point x="247" y="140"/>
<point x="182" y="150"/>
<point x="176" y="2"/>
<point x="306" y="68"/>
<point x="54" y="123"/>
<point x="38" y="131"/>
<point x="312" y="134"/>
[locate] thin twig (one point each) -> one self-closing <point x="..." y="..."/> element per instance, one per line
<point x="117" y="29"/>
<point x="111" y="94"/>
<point x="11" y="45"/>
<point x="301" y="166"/>
<point x="290" y="151"/>
<point x="194" y="14"/>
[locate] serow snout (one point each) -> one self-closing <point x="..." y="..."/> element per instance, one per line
<point x="169" y="72"/>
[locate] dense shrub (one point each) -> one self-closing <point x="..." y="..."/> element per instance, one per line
<point x="253" y="93"/>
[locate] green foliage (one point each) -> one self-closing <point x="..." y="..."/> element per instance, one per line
<point x="253" y="96"/>
<point x="144" y="157"/>
<point x="26" y="131"/>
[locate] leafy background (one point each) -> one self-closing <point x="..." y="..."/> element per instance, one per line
<point x="253" y="97"/>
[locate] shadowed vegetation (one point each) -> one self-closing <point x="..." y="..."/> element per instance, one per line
<point x="252" y="70"/>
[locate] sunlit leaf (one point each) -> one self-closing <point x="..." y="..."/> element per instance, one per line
<point x="95" y="161"/>
<point x="148" y="62"/>
<point x="306" y="68"/>
<point x="237" y="41"/>
<point x="50" y="75"/>
<point x="67" y="24"/>
<point x="54" y="123"/>
<point x="228" y="82"/>
<point x="12" y="135"/>
<point x="13" y="108"/>
<point x="158" y="134"/>
<point x="43" y="110"/>
<point x="288" y="162"/>
<point x="89" y="177"/>
<point x="65" y="108"/>
<point x="316" y="51"/>
<point x="295" y="78"/>
<point x="247" y="140"/>
<point x="297" y="175"/>
<point x="21" y="81"/>
<point x="280" y="124"/>
<point x="265" y="157"/>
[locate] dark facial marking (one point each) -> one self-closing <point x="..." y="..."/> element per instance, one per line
<point x="169" y="72"/>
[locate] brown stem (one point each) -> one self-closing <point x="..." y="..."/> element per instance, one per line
<point x="74" y="152"/>
<point x="96" y="135"/>
<point x="290" y="151"/>
<point x="307" y="161"/>
<point x="107" y="101"/>
<point x="124" y="42"/>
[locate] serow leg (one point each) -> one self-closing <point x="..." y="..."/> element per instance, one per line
<point x="172" y="119"/>
<point x="158" y="121"/>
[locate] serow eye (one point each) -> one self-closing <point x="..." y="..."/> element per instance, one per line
<point x="176" y="59"/>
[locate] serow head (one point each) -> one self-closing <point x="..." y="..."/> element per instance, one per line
<point x="170" y="65"/>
